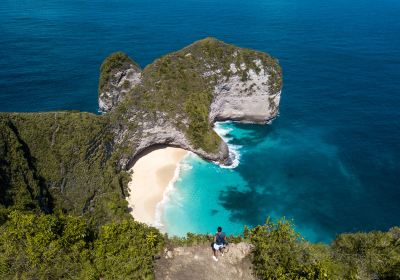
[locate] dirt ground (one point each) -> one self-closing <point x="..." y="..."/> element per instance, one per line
<point x="196" y="262"/>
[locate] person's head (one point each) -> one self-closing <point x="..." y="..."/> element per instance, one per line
<point x="219" y="229"/>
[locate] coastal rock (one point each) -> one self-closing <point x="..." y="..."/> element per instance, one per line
<point x="118" y="75"/>
<point x="250" y="101"/>
<point x="177" y="99"/>
<point x="158" y="131"/>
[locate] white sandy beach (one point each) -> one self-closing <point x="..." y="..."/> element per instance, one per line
<point x="151" y="176"/>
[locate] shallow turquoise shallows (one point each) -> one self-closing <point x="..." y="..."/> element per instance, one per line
<point x="330" y="161"/>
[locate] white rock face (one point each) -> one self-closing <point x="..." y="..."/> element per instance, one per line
<point x="120" y="84"/>
<point x="158" y="131"/>
<point x="241" y="92"/>
<point x="246" y="101"/>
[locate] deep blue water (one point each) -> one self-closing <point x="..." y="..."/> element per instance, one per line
<point x="330" y="161"/>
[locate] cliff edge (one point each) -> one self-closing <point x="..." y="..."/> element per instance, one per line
<point x="196" y="262"/>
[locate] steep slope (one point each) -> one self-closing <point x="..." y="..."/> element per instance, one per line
<point x="59" y="161"/>
<point x="20" y="185"/>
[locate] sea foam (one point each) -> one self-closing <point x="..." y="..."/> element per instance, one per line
<point x="223" y="131"/>
<point x="234" y="153"/>
<point x="169" y="192"/>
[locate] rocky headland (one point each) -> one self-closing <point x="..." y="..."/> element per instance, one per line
<point x="176" y="99"/>
<point x="77" y="162"/>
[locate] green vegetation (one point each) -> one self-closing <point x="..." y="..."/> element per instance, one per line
<point x="199" y="131"/>
<point x="221" y="55"/>
<point x="60" y="161"/>
<point x="20" y="186"/>
<point x="280" y="253"/>
<point x="62" y="246"/>
<point x="370" y="254"/>
<point x="117" y="60"/>
<point x="193" y="239"/>
<point x="54" y="246"/>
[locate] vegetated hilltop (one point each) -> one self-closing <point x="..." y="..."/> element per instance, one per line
<point x="76" y="162"/>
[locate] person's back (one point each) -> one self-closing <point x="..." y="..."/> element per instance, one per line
<point x="220" y="238"/>
<point x="219" y="243"/>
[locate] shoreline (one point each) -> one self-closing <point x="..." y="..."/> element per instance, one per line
<point x="152" y="174"/>
<point x="159" y="223"/>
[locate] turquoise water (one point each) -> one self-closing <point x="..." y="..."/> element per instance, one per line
<point x="193" y="203"/>
<point x="330" y="161"/>
<point x="278" y="173"/>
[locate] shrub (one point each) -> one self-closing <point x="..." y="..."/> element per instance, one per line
<point x="280" y="253"/>
<point x="373" y="255"/>
<point x="62" y="246"/>
<point x="43" y="247"/>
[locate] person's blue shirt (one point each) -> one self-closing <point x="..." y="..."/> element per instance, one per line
<point x="220" y="238"/>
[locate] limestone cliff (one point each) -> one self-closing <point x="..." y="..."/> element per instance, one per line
<point x="178" y="98"/>
<point x="118" y="75"/>
<point x="251" y="100"/>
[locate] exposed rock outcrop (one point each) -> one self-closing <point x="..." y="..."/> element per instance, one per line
<point x="119" y="74"/>
<point x="158" y="130"/>
<point x="176" y="99"/>
<point x="250" y="101"/>
<point x="196" y="262"/>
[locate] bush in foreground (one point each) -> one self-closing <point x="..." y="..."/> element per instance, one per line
<point x="60" y="246"/>
<point x="281" y="253"/>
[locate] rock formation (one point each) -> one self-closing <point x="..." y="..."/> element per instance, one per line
<point x="249" y="101"/>
<point x="234" y="83"/>
<point x="195" y="262"/>
<point x="119" y="75"/>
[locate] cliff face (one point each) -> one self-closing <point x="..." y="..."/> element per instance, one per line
<point x="250" y="101"/>
<point x="118" y="75"/>
<point x="179" y="97"/>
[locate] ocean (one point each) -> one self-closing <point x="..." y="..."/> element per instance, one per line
<point x="330" y="161"/>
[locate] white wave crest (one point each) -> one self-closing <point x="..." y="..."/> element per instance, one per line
<point x="234" y="154"/>
<point x="169" y="192"/>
